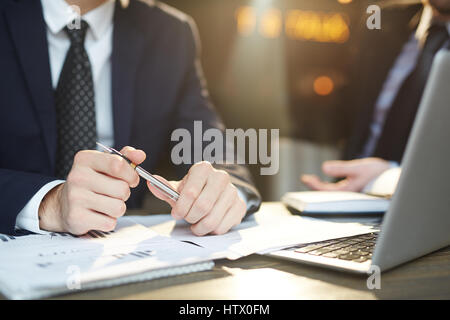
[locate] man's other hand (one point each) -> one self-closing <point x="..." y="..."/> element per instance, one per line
<point x="208" y="200"/>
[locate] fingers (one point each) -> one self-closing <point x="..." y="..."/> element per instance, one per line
<point x="211" y="222"/>
<point x="107" y="164"/>
<point x="136" y="156"/>
<point x="350" y="170"/>
<point x="114" y="208"/>
<point x="339" y="169"/>
<point x="358" y="173"/>
<point x="160" y="194"/>
<point x="314" y="183"/>
<point x="356" y="178"/>
<point x="82" y="221"/>
<point x="311" y="181"/>
<point x="208" y="200"/>
<point x="357" y="167"/>
<point x="193" y="186"/>
<point x="101" y="222"/>
<point x="232" y="218"/>
<point x="86" y="179"/>
<point x="216" y="183"/>
<point x="95" y="191"/>
<point x="83" y="210"/>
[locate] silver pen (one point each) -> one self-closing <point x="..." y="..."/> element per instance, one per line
<point x="167" y="190"/>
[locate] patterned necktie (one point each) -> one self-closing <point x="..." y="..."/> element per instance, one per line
<point x="75" y="105"/>
<point x="400" y="118"/>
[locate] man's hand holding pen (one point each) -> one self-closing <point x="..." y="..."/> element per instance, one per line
<point x="98" y="185"/>
<point x="94" y="194"/>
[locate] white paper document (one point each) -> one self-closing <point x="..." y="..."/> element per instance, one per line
<point x="41" y="265"/>
<point x="261" y="233"/>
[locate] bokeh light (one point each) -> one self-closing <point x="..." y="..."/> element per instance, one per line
<point x="323" y="85"/>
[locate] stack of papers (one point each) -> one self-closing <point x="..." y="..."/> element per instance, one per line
<point x="38" y="266"/>
<point x="147" y="247"/>
<point x="263" y="232"/>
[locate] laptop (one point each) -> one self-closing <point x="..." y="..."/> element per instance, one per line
<point x="418" y="219"/>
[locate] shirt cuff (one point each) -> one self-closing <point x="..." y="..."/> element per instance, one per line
<point x="248" y="202"/>
<point x="242" y="195"/>
<point x="393" y="164"/>
<point x="368" y="188"/>
<point x="28" y="217"/>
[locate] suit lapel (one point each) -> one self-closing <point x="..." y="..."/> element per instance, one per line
<point x="27" y="28"/>
<point x="128" y="46"/>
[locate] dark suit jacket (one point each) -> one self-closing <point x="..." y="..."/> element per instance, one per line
<point x="157" y="86"/>
<point x="378" y="50"/>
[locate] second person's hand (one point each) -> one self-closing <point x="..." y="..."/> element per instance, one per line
<point x="356" y="173"/>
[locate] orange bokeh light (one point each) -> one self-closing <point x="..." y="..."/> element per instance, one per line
<point x="317" y="26"/>
<point x="271" y="23"/>
<point x="323" y="85"/>
<point x="246" y="20"/>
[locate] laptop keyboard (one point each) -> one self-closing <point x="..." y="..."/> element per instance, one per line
<point x="357" y="248"/>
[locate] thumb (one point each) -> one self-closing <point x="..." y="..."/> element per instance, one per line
<point x="136" y="156"/>
<point x="339" y="169"/>
<point x="161" y="195"/>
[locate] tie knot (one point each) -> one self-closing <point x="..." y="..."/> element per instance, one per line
<point x="77" y="32"/>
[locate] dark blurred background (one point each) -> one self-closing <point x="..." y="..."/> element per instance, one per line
<point x="279" y="63"/>
<point x="283" y="64"/>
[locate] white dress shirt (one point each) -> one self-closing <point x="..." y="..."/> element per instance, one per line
<point x="98" y="44"/>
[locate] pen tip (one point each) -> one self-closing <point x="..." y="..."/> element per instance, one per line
<point x="102" y="146"/>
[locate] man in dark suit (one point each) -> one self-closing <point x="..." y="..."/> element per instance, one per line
<point x="391" y="78"/>
<point x="124" y="73"/>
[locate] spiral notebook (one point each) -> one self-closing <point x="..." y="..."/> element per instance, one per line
<point x="38" y="266"/>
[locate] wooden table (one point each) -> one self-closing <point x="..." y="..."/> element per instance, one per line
<point x="260" y="277"/>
